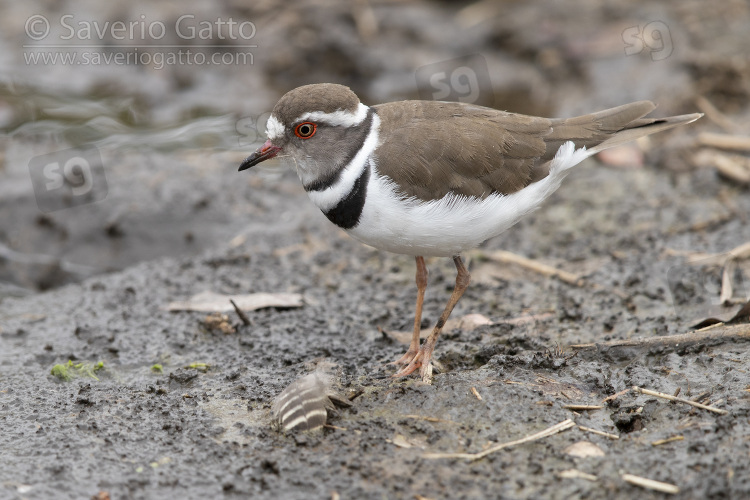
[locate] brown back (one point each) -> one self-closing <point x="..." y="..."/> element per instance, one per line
<point x="433" y="148"/>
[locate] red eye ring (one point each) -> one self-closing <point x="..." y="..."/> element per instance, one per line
<point x="305" y="130"/>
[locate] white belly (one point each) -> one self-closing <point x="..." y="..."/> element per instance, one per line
<point x="453" y="224"/>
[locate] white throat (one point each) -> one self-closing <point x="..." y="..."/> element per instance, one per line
<point x="330" y="197"/>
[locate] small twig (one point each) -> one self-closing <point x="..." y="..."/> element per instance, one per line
<point x="724" y="141"/>
<point x="740" y="332"/>
<point x="537" y="267"/>
<point x="714" y="114"/>
<point x="242" y="315"/>
<point x="334" y="427"/>
<point x="616" y="395"/>
<point x="701" y="397"/>
<point x="650" y="484"/>
<point x="681" y="400"/>
<point x="562" y="426"/>
<point x="727" y="290"/>
<point x="668" y="440"/>
<point x="576" y="474"/>
<point x="583" y="407"/>
<point x="712" y="259"/>
<point x="710" y="327"/>
<point x="429" y="419"/>
<point x="476" y="393"/>
<point x="600" y="433"/>
<point x="734" y="167"/>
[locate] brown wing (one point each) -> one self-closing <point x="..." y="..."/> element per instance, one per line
<point x="432" y="148"/>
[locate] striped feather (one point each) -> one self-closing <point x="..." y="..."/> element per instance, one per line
<point x="303" y="405"/>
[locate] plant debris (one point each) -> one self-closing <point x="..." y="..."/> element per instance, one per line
<point x="220" y="303"/>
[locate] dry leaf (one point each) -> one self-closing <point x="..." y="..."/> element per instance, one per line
<point x="218" y="322"/>
<point x="465" y="323"/>
<point x="217" y="302"/>
<point x="528" y="319"/>
<point x="742" y="316"/>
<point x="401" y="441"/>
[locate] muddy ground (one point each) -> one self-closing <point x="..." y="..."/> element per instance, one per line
<point x="91" y="283"/>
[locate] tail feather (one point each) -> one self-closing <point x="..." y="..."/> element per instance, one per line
<point x="605" y="129"/>
<point x="606" y="121"/>
<point x="642" y="127"/>
<point x="610" y="127"/>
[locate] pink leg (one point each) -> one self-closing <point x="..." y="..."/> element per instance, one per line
<point x="421" y="287"/>
<point x="424" y="355"/>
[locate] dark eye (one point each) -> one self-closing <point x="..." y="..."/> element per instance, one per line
<point x="305" y="130"/>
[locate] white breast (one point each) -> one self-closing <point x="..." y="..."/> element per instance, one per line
<point x="455" y="223"/>
<point x="329" y="197"/>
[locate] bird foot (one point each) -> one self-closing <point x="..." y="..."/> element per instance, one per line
<point x="421" y="359"/>
<point x="407" y="358"/>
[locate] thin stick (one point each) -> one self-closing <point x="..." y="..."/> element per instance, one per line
<point x="600" y="433"/>
<point x="650" y="484"/>
<point x="334" y="427"/>
<point x="734" y="167"/>
<point x="242" y="315"/>
<point x="430" y="419"/>
<point x="616" y="395"/>
<point x="537" y="267"/>
<point x="562" y="426"/>
<point x="714" y="114"/>
<point x="583" y="407"/>
<point x="678" y="399"/>
<point x="668" y="440"/>
<point x="740" y="332"/>
<point x="710" y="327"/>
<point x="726" y="282"/>
<point x="576" y="474"/>
<point x="723" y="141"/>
<point x="476" y="393"/>
<point x="713" y="259"/>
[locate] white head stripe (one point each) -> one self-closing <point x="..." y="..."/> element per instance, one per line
<point x="274" y="128"/>
<point x="337" y="118"/>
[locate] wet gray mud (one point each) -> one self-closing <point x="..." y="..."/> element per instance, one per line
<point x="178" y="220"/>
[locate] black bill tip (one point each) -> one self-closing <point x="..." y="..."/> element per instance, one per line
<point x="266" y="151"/>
